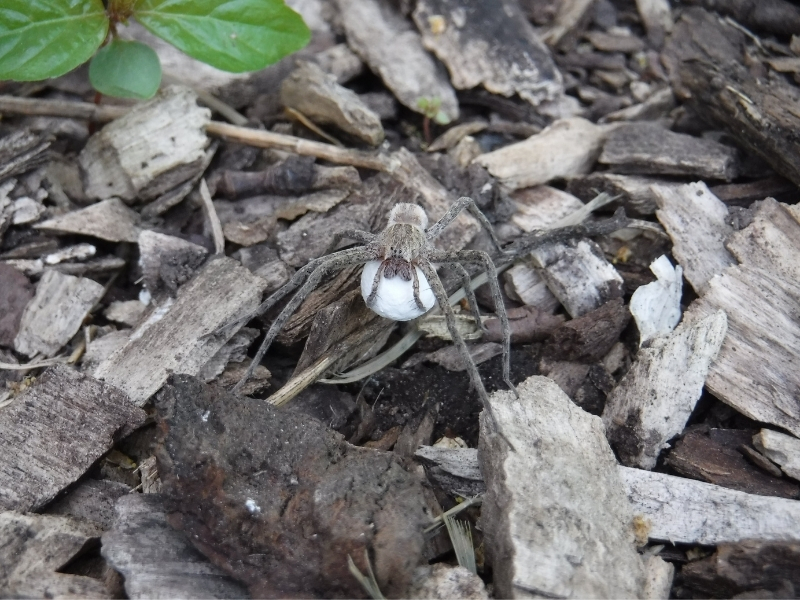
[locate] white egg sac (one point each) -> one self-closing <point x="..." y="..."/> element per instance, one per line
<point x="395" y="298"/>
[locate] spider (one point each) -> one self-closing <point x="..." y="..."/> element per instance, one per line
<point x="399" y="281"/>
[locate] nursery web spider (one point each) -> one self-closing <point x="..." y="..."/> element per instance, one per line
<point x="399" y="281"/>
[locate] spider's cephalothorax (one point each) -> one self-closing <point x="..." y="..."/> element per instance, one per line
<point x="399" y="280"/>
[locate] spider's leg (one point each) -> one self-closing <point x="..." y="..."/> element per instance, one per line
<point x="322" y="267"/>
<point x="375" y="283"/>
<point x="448" y="217"/>
<point x="466" y="281"/>
<point x="415" y="285"/>
<point x="352" y="234"/>
<point x="483" y="259"/>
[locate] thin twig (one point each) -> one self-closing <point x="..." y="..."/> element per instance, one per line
<point x="48" y="362"/>
<point x="211" y="212"/>
<point x="439" y="521"/>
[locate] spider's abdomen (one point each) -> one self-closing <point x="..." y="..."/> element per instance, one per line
<point x="395" y="296"/>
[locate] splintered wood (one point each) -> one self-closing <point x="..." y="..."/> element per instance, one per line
<point x="108" y="220"/>
<point x="182" y="336"/>
<point x="54" y="431"/>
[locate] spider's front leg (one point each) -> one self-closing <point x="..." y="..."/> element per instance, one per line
<point x="454" y="211"/>
<point x="319" y="268"/>
<point x="350" y="234"/>
<point x="466" y="283"/>
<point x="483" y="259"/>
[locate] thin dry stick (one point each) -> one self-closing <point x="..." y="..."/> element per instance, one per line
<point x="211" y="212"/>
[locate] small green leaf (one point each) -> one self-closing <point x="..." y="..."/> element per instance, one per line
<point x="47" y="38"/>
<point x="126" y="70"/>
<point x="232" y="35"/>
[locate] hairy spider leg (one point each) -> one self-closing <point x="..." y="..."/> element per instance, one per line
<point x="375" y="283"/>
<point x="464" y="202"/>
<point x="466" y="283"/>
<point x="483" y="259"/>
<point x="415" y="284"/>
<point x="350" y="234"/>
<point x="319" y="268"/>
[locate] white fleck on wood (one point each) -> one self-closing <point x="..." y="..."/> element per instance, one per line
<point x="132" y="157"/>
<point x="33" y="548"/>
<point x="466" y="40"/>
<point x="567" y="148"/>
<point x="696" y="221"/>
<point x="70" y="253"/>
<point x="315" y="94"/>
<point x="656" y="397"/>
<point x="780" y="448"/>
<point x="180" y="337"/>
<point x="656" y="307"/>
<point x="379" y="35"/>
<point x="108" y="220"/>
<point x="53" y="432"/>
<point x="158" y="561"/>
<point x="687" y="511"/>
<point x="55" y="313"/>
<point x="578" y="274"/>
<point x="555" y="517"/>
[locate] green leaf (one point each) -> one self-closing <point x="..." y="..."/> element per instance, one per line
<point x="126" y="70"/>
<point x="47" y="38"/>
<point x="232" y="35"/>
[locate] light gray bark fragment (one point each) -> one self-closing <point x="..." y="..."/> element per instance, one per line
<point x="108" y="220"/>
<point x="780" y="448"/>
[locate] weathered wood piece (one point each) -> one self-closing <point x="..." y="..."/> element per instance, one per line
<point x="489" y="43"/>
<point x="33" y="548"/>
<point x="158" y="561"/>
<point x="182" y="336"/>
<point x="15" y="293"/>
<point x="525" y="283"/>
<point x="127" y="312"/>
<point x="634" y="190"/>
<point x="570" y="14"/>
<point x="90" y="500"/>
<point x="707" y="63"/>
<point x="744" y="194"/>
<point x="578" y="275"/>
<point x="455" y="470"/>
<point x="55" y="313"/>
<point x="317" y="95"/>
<point x="450" y="138"/>
<point x="379" y="35"/>
<point x="615" y="42"/>
<point x="541" y="206"/>
<point x="54" y="431"/>
<point x="560" y="466"/>
<point x="657" y="18"/>
<point x="588" y="338"/>
<point x="108" y="220"/>
<point x="656" y="307"/>
<point x="148" y="151"/>
<point x="717" y="456"/>
<point x="445" y="581"/>
<point x="567" y="148"/>
<point x="697" y="223"/>
<point x="650" y="149"/>
<point x="680" y="510"/>
<point x="756" y="370"/>
<point x="167" y="262"/>
<point x="751" y="568"/>
<point x="234" y="351"/>
<point x="774" y="16"/>
<point x="22" y="151"/>
<point x="780" y="448"/>
<point x="656" y="397"/>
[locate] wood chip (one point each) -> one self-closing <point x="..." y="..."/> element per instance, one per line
<point x="127" y="312"/>
<point x="657" y="18"/>
<point x="455" y="470"/>
<point x="450" y="138"/>
<point x="379" y="34"/>
<point x="567" y="148"/>
<point x="15" y="293"/>
<point x="34" y="548"/>
<point x="158" y="561"/>
<point x="614" y="42"/>
<point x="467" y="41"/>
<point x="780" y="448"/>
<point x="589" y="337"/>
<point x="21" y="151"/>
<point x="648" y="148"/>
<point x="679" y="510"/>
<point x="697" y="223"/>
<point x="149" y="150"/>
<point x="167" y="262"/>
<point x="54" y="432"/>
<point x="525" y="283"/>
<point x="315" y="94"/>
<point x="90" y="500"/>
<point x="656" y="397"/>
<point x="108" y="220"/>
<point x="563" y="450"/>
<point x="177" y="337"/>
<point x="541" y="206"/>
<point x="55" y="313"/>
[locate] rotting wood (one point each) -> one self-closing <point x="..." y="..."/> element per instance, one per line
<point x="707" y="66"/>
<point x="21" y="151"/>
<point x="649" y="149"/>
<point x="108" y="220"/>
<point x="567" y="148"/>
<point x="378" y="33"/>
<point x="15" y="293"/>
<point x="34" y="548"/>
<point x="633" y="192"/>
<point x="55" y="313"/>
<point x="565" y="468"/>
<point x="90" y="500"/>
<point x="315" y="94"/>
<point x="54" y="431"/>
<point x="589" y="337"/>
<point x="774" y="16"/>
<point x="455" y="470"/>
<point x="167" y="262"/>
<point x="525" y="283"/>
<point x="656" y="397"/>
<point x="234" y="351"/>
<point x="697" y="223"/>
<point x="780" y="448"/>
<point x="489" y="43"/>
<point x="686" y="511"/>
<point x="183" y="335"/>
<point x="158" y="561"/>
<point x="744" y="194"/>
